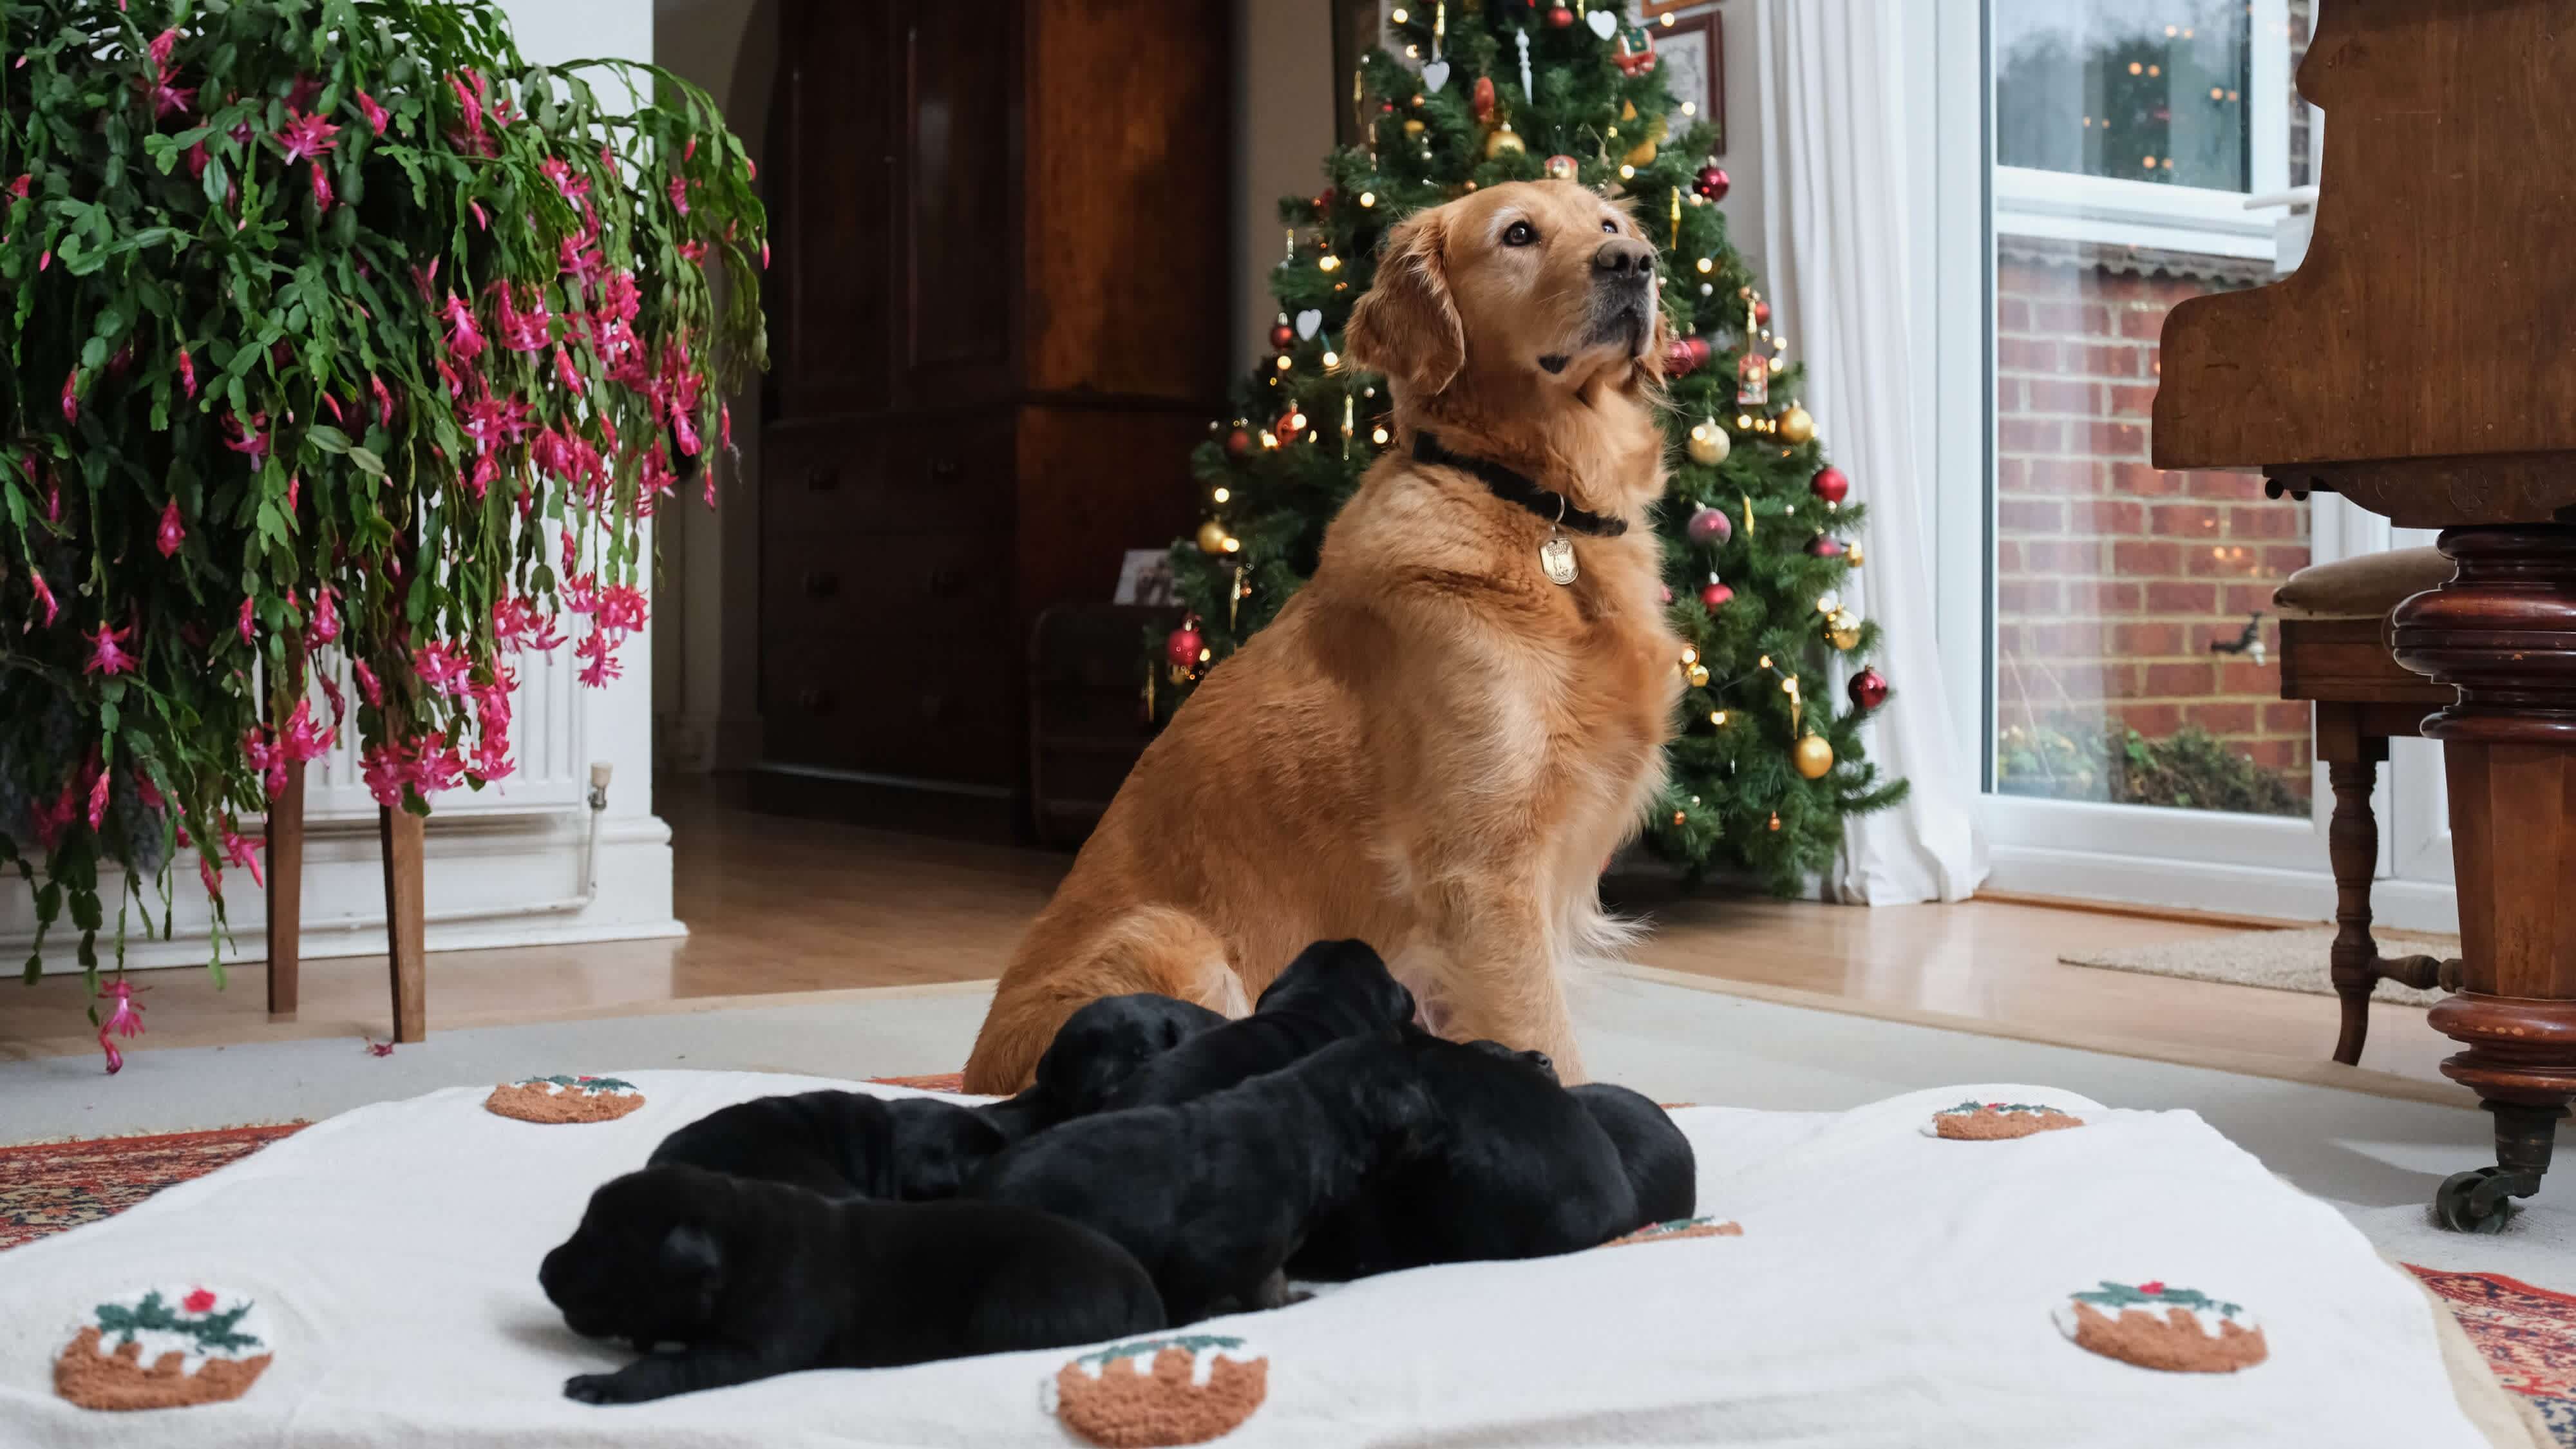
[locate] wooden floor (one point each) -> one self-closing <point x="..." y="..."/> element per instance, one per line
<point x="778" y="905"/>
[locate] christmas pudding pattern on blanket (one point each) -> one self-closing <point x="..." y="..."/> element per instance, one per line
<point x="1152" y="1392"/>
<point x="1997" y="1121"/>
<point x="1680" y="1228"/>
<point x="2160" y="1327"/>
<point x="164" y="1348"/>
<point x="561" y="1099"/>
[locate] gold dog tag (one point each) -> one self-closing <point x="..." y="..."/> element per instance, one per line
<point x="1556" y="556"/>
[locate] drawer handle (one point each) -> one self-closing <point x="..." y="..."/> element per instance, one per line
<point x="822" y="584"/>
<point x="822" y="480"/>
<point x="946" y="470"/>
<point x="814" y="701"/>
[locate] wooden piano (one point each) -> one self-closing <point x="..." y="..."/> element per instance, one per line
<point x="2422" y="363"/>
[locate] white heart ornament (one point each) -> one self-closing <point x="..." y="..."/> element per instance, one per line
<point x="1602" y="22"/>
<point x="1435" y="75"/>
<point x="1309" y="322"/>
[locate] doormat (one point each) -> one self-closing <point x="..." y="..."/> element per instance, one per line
<point x="2292" y="960"/>
<point x="46" y="1187"/>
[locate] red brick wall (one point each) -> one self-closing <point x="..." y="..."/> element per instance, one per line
<point x="2113" y="577"/>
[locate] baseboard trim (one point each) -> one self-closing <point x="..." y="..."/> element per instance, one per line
<point x="2247" y="895"/>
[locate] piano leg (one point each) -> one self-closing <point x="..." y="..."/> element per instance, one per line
<point x="2504" y="634"/>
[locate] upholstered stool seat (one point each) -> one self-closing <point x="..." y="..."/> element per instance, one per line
<point x="2361" y="588"/>
<point x="2334" y="652"/>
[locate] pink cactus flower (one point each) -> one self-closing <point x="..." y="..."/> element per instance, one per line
<point x="339" y="701"/>
<point x="267" y="757"/>
<point x="214" y="880"/>
<point x="306" y="137"/>
<point x="601" y="659"/>
<point x="441" y="667"/>
<point x="302" y="739"/>
<point x="197" y="158"/>
<point x="368" y="684"/>
<point x="245" y="625"/>
<point x="464" y="339"/>
<point x="325" y="625"/>
<point x="187" y="373"/>
<point x="680" y="194"/>
<point x="248" y="439"/>
<point x="321" y="188"/>
<point x="24" y="182"/>
<point x="126" y="1020"/>
<point x="239" y="851"/>
<point x="384" y="401"/>
<point x="171" y="534"/>
<point x="145" y="791"/>
<point x="376" y="115"/>
<point x="98" y="793"/>
<point x="481" y="221"/>
<point x="107" y="653"/>
<point x="566" y="374"/>
<point x="71" y="396"/>
<point x="44" y="596"/>
<point x="301" y="94"/>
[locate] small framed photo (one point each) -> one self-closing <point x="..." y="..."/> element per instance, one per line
<point x="1146" y="578"/>
<point x="1691" y="53"/>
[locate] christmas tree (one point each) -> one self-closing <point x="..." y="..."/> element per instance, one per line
<point x="1757" y="539"/>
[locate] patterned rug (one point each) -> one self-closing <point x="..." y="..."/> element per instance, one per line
<point x="46" y="1187"/>
<point x="2528" y="1334"/>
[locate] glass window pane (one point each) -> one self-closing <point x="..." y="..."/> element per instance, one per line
<point x="2135" y="90"/>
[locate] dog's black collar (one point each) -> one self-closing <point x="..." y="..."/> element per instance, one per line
<point x="1515" y="487"/>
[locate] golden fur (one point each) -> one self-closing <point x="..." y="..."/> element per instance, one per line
<point x="1432" y="748"/>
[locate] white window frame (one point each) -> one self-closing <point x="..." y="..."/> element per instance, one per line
<point x="2242" y="864"/>
<point x="2069" y="206"/>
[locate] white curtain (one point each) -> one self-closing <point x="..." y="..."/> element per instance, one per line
<point x="1841" y="243"/>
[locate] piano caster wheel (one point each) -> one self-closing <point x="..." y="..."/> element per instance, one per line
<point x="2481" y="1201"/>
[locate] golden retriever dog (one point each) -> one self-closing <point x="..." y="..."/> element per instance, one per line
<point x="1435" y="746"/>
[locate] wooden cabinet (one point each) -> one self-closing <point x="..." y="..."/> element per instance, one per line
<point x="998" y="309"/>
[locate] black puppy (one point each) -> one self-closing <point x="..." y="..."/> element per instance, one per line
<point x="1095" y="1050"/>
<point x="754" y="1278"/>
<point x="1514" y="1168"/>
<point x="1662" y="1170"/>
<point x="1333" y="991"/>
<point x="1212" y="1195"/>
<point x="841" y="1144"/>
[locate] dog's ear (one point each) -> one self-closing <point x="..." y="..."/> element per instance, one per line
<point x="1407" y="326"/>
<point x="693" y="1262"/>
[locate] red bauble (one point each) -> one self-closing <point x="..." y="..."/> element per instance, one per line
<point x="1829" y="484"/>
<point x="1561" y="18"/>
<point x="1712" y="182"/>
<point x="1868" y="690"/>
<point x="1324" y="203"/>
<point x="1761" y="314"/>
<point x="1238" y="443"/>
<point x="1290" y="424"/>
<point x="1484" y="98"/>
<point x="1183" y="648"/>
<point x="1686" y="356"/>
<point x="1282" y="337"/>
<point x="1825" y="545"/>
<point x="1714" y="595"/>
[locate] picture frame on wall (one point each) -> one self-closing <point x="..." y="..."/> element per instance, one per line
<point x="1691" y="53"/>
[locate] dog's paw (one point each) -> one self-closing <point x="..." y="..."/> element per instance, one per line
<point x="594" y="1389"/>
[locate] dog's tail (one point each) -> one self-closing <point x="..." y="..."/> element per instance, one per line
<point x="1062" y="968"/>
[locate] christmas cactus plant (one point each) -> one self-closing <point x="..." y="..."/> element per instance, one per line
<point x="336" y="328"/>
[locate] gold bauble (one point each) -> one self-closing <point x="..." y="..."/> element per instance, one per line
<point x="1851" y="555"/>
<point x="1699" y="676"/>
<point x="1413" y="125"/>
<point x="1844" y="629"/>
<point x="1627" y="110"/>
<point x="1212" y="537"/>
<point x="1813" y="757"/>
<point x="1504" y="142"/>
<point x="1644" y="155"/>
<point x="1708" y="444"/>
<point x="1797" y="425"/>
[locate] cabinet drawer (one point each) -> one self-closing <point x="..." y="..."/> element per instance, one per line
<point x="876" y="584"/>
<point x="925" y="696"/>
<point x="926" y="473"/>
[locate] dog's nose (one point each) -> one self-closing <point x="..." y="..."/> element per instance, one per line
<point x="1623" y="259"/>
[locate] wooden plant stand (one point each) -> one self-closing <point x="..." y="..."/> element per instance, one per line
<point x="401" y="834"/>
